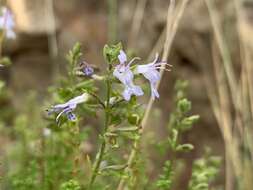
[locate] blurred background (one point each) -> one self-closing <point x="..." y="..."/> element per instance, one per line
<point x="205" y="51"/>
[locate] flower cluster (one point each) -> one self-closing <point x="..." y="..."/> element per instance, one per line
<point x="150" y="71"/>
<point x="7" y="23"/>
<point x="126" y="76"/>
<point x="124" y="72"/>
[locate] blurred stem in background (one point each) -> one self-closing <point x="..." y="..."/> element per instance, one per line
<point x="136" y="24"/>
<point x="232" y="98"/>
<point x="52" y="38"/>
<point x="112" y="21"/>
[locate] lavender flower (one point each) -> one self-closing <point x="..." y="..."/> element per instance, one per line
<point x="86" y="69"/>
<point x="7" y="23"/>
<point x="150" y="72"/>
<point x="125" y="75"/>
<point x="68" y="107"/>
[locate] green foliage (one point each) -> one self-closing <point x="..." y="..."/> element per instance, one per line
<point x="165" y="179"/>
<point x="70" y="185"/>
<point x="180" y="121"/>
<point x="111" y="52"/>
<point x="204" y="171"/>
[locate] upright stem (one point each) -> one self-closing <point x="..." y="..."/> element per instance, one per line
<point x="112" y="33"/>
<point x="101" y="152"/>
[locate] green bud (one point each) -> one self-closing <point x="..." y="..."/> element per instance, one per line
<point x="111" y="52"/>
<point x="184" y="105"/>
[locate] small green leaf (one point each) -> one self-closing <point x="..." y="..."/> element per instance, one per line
<point x="184" y="147"/>
<point x="109" y="134"/>
<point x="173" y="139"/>
<point x="114" y="167"/>
<point x="126" y="129"/>
<point x="187" y="122"/>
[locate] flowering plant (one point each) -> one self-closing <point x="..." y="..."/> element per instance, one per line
<point x="58" y="152"/>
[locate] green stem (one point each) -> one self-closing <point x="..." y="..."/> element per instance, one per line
<point x="101" y="152"/>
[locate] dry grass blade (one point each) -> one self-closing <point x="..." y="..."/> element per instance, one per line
<point x="173" y="17"/>
<point x="223" y="50"/>
<point x="234" y="115"/>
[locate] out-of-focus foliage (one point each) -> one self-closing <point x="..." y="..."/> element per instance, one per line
<point x="181" y="121"/>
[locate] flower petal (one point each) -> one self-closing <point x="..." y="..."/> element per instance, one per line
<point x="127" y="93"/>
<point x="79" y="99"/>
<point x="137" y="90"/>
<point x="122" y="57"/>
<point x="154" y="92"/>
<point x="71" y="116"/>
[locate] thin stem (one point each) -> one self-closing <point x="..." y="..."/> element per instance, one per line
<point x="112" y="32"/>
<point x="76" y="133"/>
<point x="98" y="99"/>
<point x="101" y="152"/>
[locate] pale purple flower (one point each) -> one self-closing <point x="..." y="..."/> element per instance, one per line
<point x="7" y="23"/>
<point x="126" y="76"/>
<point x="68" y="107"/>
<point x="86" y="69"/>
<point x="150" y="72"/>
